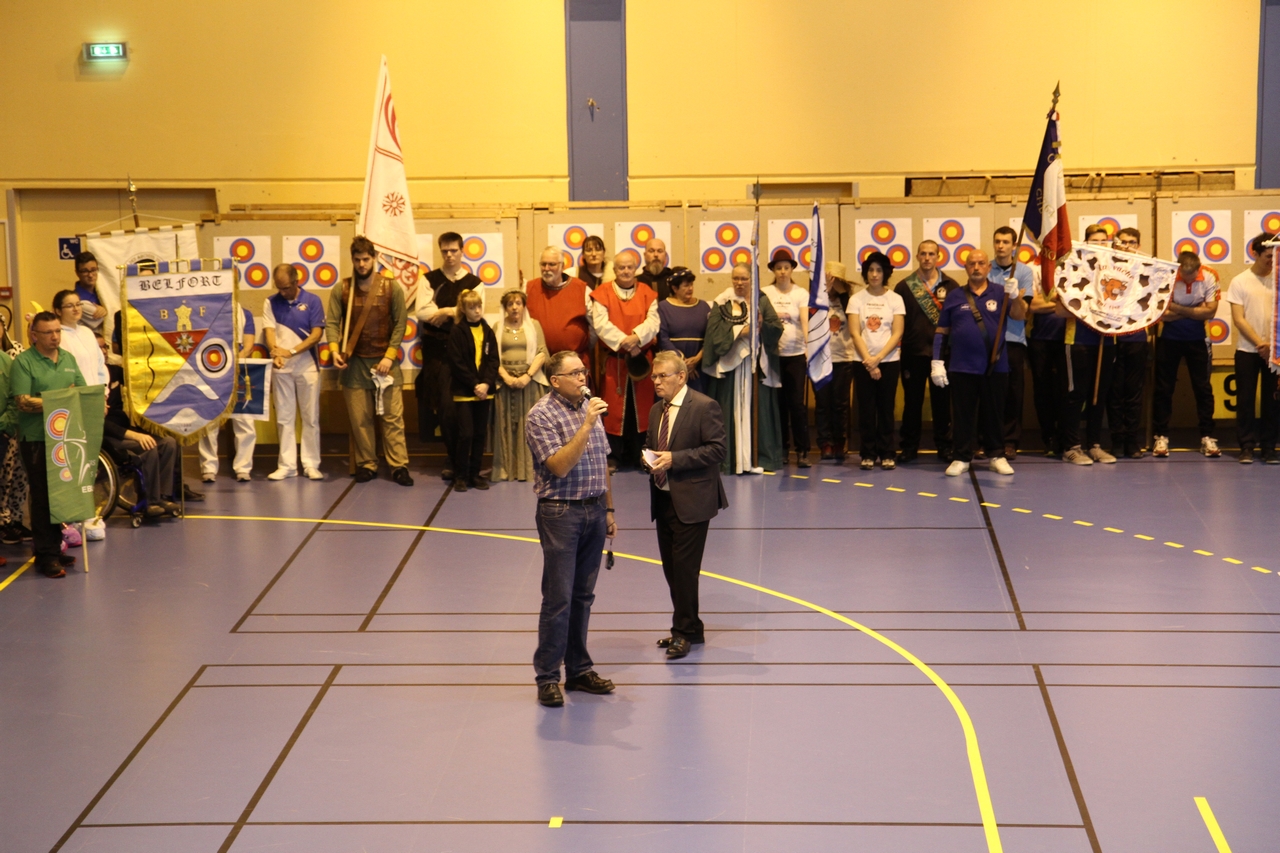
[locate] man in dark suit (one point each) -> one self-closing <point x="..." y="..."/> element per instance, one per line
<point x="687" y="440"/>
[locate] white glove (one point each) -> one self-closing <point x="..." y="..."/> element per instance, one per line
<point x="938" y="373"/>
<point x="1011" y="288"/>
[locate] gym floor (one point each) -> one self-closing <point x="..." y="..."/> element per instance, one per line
<point x="1062" y="660"/>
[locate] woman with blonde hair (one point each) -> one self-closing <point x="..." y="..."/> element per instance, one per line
<point x="473" y="362"/>
<point x="522" y="351"/>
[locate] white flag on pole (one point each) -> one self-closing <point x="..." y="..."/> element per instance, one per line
<point x="386" y="214"/>
<point x="819" y="344"/>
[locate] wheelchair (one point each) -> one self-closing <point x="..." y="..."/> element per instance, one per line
<point x="121" y="487"/>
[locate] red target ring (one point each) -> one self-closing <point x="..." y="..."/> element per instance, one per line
<point x="1186" y="244"/>
<point x="951" y="231"/>
<point x="489" y="272"/>
<point x="304" y="274"/>
<point x="1026" y="254"/>
<point x="727" y="234"/>
<point x="311" y="250"/>
<point x="567" y="260"/>
<point x="575" y="236"/>
<point x="806" y="257"/>
<point x="474" y="248"/>
<point x="642" y="234"/>
<point x="899" y="255"/>
<point x="795" y="233"/>
<point x="962" y="253"/>
<point x="1216" y="248"/>
<point x="415" y="354"/>
<point x="883" y="232"/>
<point x="326" y="357"/>
<point x="214" y="358"/>
<point x="1219" y="331"/>
<point x="256" y="275"/>
<point x="944" y="256"/>
<point x="1200" y="224"/>
<point x="867" y="251"/>
<point x="1111" y="225"/>
<point x="740" y="255"/>
<point x="258" y="351"/>
<point x="325" y="275"/>
<point x="242" y="250"/>
<point x="713" y="259"/>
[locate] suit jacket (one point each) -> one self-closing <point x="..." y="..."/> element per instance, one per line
<point x="698" y="446"/>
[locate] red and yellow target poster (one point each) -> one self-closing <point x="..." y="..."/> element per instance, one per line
<point x="793" y="236"/>
<point x="722" y="245"/>
<point x="568" y="237"/>
<point x="1205" y="232"/>
<point x="250" y="255"/>
<point x="482" y="255"/>
<point x="1113" y="222"/>
<point x="1255" y="223"/>
<point x="317" y="260"/>
<point x="956" y="236"/>
<point x="631" y="237"/>
<point x="890" y="236"/>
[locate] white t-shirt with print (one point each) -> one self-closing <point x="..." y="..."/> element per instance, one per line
<point x="793" y="311"/>
<point x="875" y="320"/>
<point x="1255" y="296"/>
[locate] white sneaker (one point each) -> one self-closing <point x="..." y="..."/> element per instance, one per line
<point x="1160" y="446"/>
<point x="312" y="474"/>
<point x="956" y="468"/>
<point x="1076" y="456"/>
<point x="1000" y="465"/>
<point x="281" y="473"/>
<point x="208" y="476"/>
<point x="1209" y="447"/>
<point x="1097" y="454"/>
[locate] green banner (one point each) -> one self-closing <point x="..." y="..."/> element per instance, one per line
<point x="72" y="439"/>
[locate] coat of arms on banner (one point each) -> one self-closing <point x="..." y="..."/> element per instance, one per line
<point x="179" y="346"/>
<point x="1114" y="292"/>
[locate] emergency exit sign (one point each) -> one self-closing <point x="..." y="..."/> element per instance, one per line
<point x="105" y="50"/>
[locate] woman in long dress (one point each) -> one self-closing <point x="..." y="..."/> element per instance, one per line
<point x="683" y="324"/>
<point x="522" y="351"/>
<point x="732" y="379"/>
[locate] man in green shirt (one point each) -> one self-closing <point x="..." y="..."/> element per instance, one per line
<point x="43" y="367"/>
<point x="371" y="346"/>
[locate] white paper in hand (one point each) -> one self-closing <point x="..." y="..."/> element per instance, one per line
<point x="650" y="458"/>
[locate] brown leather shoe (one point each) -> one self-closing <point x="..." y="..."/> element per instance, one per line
<point x="549" y="695"/>
<point x="1010" y="451"/>
<point x="589" y="682"/>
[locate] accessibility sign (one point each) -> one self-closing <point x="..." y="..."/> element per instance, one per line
<point x="68" y="248"/>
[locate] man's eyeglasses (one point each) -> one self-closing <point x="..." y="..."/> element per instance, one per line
<point x="666" y="375"/>
<point x="580" y="373"/>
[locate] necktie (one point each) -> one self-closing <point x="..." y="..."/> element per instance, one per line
<point x="660" y="477"/>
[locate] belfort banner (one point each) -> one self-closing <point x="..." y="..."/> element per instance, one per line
<point x="179" y="334"/>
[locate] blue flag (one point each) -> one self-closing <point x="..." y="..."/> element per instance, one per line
<point x="819" y="342"/>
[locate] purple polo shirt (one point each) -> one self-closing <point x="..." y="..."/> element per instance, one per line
<point x="970" y="351"/>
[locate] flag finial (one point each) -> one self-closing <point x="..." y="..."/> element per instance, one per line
<point x="1057" y="92"/>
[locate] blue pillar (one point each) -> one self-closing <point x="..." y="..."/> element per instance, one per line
<point x="595" y="46"/>
<point x="1268" y="165"/>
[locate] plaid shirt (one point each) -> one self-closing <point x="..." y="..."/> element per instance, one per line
<point x="549" y="426"/>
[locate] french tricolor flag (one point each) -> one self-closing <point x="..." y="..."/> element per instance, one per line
<point x="1045" y="218"/>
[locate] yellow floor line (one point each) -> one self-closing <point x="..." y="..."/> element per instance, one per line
<point x="1175" y="545"/>
<point x="1144" y="538"/>
<point x="926" y="494"/>
<point x="1054" y="517"/>
<point x="1020" y="509"/>
<point x="966" y="500"/>
<point x="829" y="480"/>
<point x="799" y="477"/>
<point x="894" y="489"/>
<point x="555" y="823"/>
<point x="1211" y="824"/>
<point x="1260" y="569"/>
<point x="1083" y="523"/>
<point x="976" y="769"/>
<point x="1204" y="553"/>
<point x="1113" y="530"/>
<point x="1232" y="561"/>
<point x="865" y="485"/>
<point x="17" y="572"/>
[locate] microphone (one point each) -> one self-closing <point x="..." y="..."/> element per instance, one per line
<point x="586" y="393"/>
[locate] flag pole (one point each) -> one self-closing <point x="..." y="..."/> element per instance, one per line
<point x="753" y="311"/>
<point x="1017" y="247"/>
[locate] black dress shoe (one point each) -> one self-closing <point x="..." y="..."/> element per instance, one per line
<point x="446" y="474"/>
<point x="589" y="682"/>
<point x="401" y="476"/>
<point x="154" y="510"/>
<point x="666" y="641"/>
<point x="52" y="570"/>
<point x="479" y="483"/>
<point x="66" y="560"/>
<point x="459" y="485"/>
<point x="364" y="475"/>
<point x="677" y="648"/>
<point x="190" y="494"/>
<point x="549" y="695"/>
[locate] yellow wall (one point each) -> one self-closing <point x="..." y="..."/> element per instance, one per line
<point x="872" y="90"/>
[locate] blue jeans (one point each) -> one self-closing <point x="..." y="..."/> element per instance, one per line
<point x="572" y="544"/>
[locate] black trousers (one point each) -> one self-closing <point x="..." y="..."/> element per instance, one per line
<point x="791" y="406"/>
<point x="1048" y="387"/>
<point x="915" y="377"/>
<point x="1124" y="399"/>
<point x="1168" y="355"/>
<point x="681" y="546"/>
<point x="625" y="449"/>
<point x="831" y="407"/>
<point x="875" y="409"/>
<point x="434" y="390"/>
<point x="1015" y="393"/>
<point x="46" y="536"/>
<point x="1083" y="368"/>
<point x="1250" y="370"/>
<point x="156" y="466"/>
<point x="470" y="428"/>
<point x="978" y="402"/>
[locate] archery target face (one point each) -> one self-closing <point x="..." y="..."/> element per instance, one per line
<point x="484" y="255"/>
<point x="1113" y="222"/>
<point x="1205" y="232"/>
<point x="956" y="236"/>
<point x="56" y="423"/>
<point x="568" y="237"/>
<point x="793" y="235"/>
<point x="1255" y="223"/>
<point x="317" y="259"/>
<point x="631" y="236"/>
<point x="1027" y="253"/>
<point x="723" y="244"/>
<point x="250" y="255"/>
<point x="891" y="236"/>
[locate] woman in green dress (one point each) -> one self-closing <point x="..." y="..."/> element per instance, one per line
<point x="732" y="379"/>
<point x="522" y="350"/>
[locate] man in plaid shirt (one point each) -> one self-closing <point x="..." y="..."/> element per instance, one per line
<point x="575" y="515"/>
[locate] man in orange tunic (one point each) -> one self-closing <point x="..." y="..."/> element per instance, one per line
<point x="624" y="315"/>
<point x="561" y="304"/>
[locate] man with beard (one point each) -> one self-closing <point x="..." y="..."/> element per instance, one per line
<point x="656" y="273"/>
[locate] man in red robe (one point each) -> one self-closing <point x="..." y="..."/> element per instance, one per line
<point x="561" y="304"/>
<point x="624" y="315"/>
